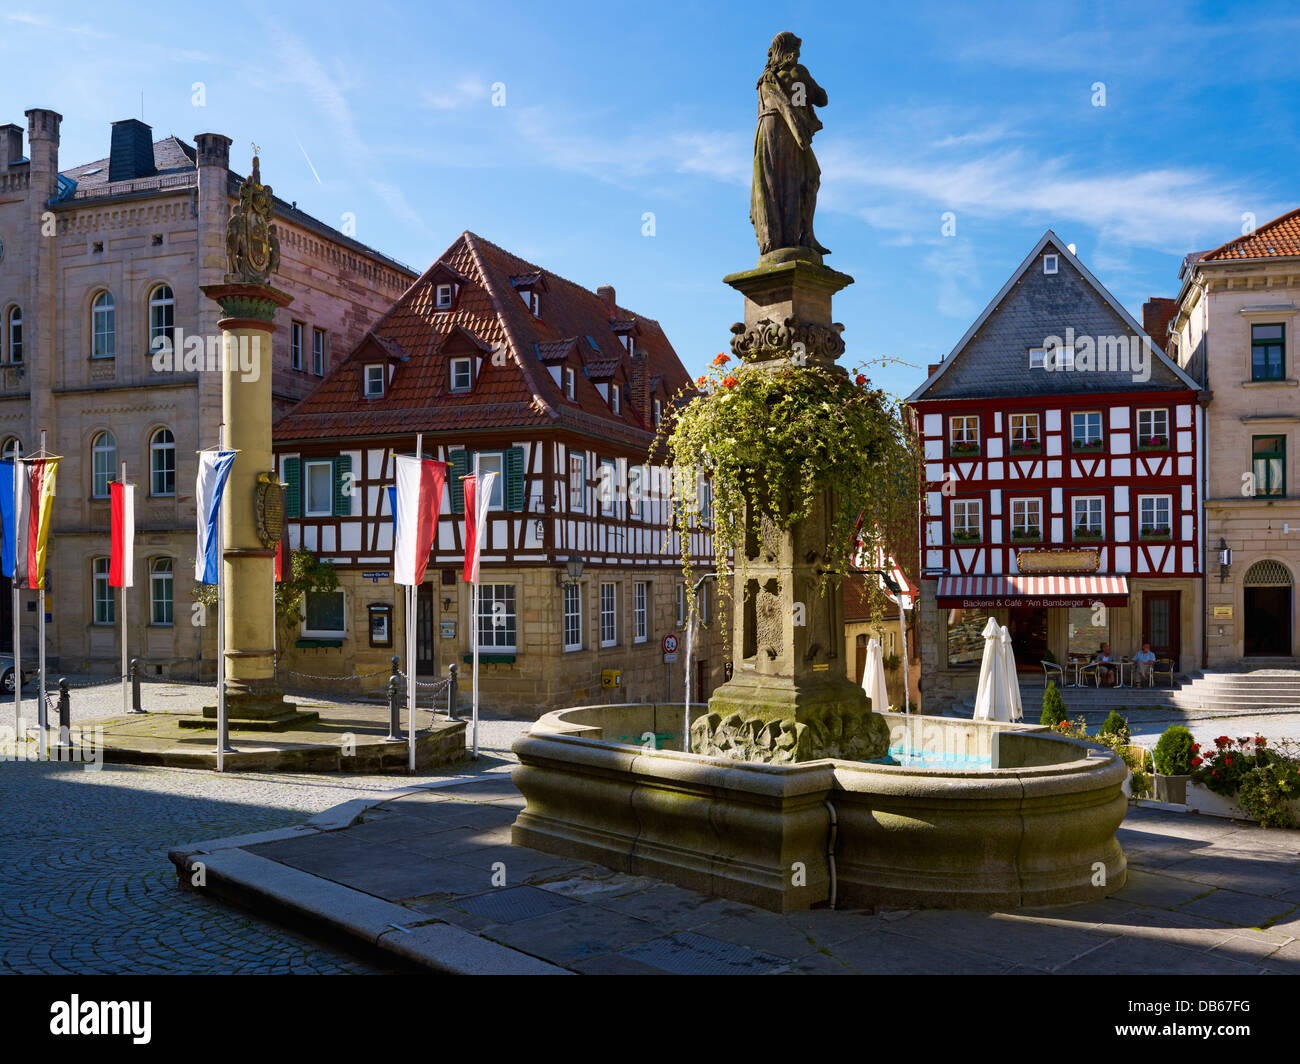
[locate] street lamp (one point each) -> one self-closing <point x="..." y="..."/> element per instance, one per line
<point x="1225" y="559"/>
<point x="573" y="569"/>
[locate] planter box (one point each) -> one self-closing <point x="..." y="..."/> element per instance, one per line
<point x="1171" y="788"/>
<point x="1203" y="800"/>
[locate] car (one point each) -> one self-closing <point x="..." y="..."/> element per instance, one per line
<point x="7" y="673"/>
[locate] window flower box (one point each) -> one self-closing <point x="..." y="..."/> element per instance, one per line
<point x="1026" y="446"/>
<point x="1086" y="445"/>
<point x="1026" y="535"/>
<point x="1083" y="532"/>
<point x="1153" y="443"/>
<point x="1155" y="532"/>
<point x="965" y="537"/>
<point x="965" y="449"/>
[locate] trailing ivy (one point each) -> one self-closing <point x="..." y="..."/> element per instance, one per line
<point x="778" y="438"/>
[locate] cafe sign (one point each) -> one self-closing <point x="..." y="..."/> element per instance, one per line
<point x="1058" y="561"/>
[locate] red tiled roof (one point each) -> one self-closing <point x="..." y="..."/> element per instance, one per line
<point x="1275" y="239"/>
<point x="573" y="328"/>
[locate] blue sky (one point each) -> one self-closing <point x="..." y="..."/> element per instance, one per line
<point x="384" y="110"/>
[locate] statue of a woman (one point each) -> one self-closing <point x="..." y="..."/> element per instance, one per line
<point x="786" y="174"/>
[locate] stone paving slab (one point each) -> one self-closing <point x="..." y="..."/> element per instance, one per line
<point x="1204" y="896"/>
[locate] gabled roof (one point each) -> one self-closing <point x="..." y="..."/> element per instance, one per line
<point x="991" y="358"/>
<point x="521" y="393"/>
<point x="1277" y="239"/>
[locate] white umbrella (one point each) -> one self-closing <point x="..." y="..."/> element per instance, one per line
<point x="1013" y="680"/>
<point x="991" y="699"/>
<point x="873" y="677"/>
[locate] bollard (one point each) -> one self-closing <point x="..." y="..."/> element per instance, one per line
<point x="451" y="692"/>
<point x="135" y="686"/>
<point x="65" y="714"/>
<point x="395" y="707"/>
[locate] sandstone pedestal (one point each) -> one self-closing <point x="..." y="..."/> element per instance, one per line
<point x="789" y="698"/>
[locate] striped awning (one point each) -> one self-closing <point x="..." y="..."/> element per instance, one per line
<point x="970" y="591"/>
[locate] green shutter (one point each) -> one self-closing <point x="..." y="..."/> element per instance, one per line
<point x="343" y="485"/>
<point x="515" y="478"/>
<point x="293" y="486"/>
<point x="459" y="468"/>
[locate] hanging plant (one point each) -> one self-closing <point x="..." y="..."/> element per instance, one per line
<point x="779" y="438"/>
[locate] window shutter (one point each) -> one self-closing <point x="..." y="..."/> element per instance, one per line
<point x="293" y="487"/>
<point x="515" y="478"/>
<point x="459" y="468"/>
<point x="343" y="485"/>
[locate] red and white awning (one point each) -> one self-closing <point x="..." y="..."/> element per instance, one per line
<point x="971" y="591"/>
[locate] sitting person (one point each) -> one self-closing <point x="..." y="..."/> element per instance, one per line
<point x="1105" y="671"/>
<point x="1145" y="661"/>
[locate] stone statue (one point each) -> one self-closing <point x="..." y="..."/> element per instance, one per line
<point x="252" y="244"/>
<point x="786" y="174"/>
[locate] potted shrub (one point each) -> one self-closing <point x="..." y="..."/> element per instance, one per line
<point x="1053" y="706"/>
<point x="1173" y="760"/>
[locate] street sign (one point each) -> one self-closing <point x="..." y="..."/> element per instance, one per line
<point x="670" y="659"/>
<point x="670" y="644"/>
<point x="375" y="577"/>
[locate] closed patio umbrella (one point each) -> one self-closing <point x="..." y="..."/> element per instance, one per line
<point x="873" y="677"/>
<point x="1013" y="679"/>
<point x="992" y="697"/>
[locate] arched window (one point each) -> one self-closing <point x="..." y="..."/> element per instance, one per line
<point x="11" y="449"/>
<point x="103" y="451"/>
<point x="162" y="463"/>
<point x="162" y="318"/>
<point x="160" y="591"/>
<point x="14" y="327"/>
<point x="103" y="326"/>
<point x="103" y="593"/>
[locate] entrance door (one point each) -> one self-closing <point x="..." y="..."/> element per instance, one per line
<point x="702" y="691"/>
<point x="860" y="659"/>
<point x="425" y="656"/>
<point x="1266" y="605"/>
<point x="1027" y="627"/>
<point x="1161" y="624"/>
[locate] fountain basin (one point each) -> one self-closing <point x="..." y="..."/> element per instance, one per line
<point x="1035" y="827"/>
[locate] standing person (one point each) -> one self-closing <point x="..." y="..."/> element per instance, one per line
<point x="1145" y="661"/>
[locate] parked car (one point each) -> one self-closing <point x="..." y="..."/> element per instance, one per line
<point x="7" y="669"/>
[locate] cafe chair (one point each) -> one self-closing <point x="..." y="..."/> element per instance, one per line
<point x="1163" y="667"/>
<point x="1050" y="667"/>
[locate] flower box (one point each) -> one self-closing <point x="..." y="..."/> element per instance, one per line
<point x="1026" y="535"/>
<point x="1155" y="532"/>
<point x="1086" y="445"/>
<point x="1027" y="447"/>
<point x="966" y="537"/>
<point x="1153" y="443"/>
<point x="1203" y="800"/>
<point x="965" y="449"/>
<point x="1171" y="788"/>
<point x="1087" y="533"/>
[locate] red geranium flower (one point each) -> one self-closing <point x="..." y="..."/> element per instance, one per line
<point x="1196" y="760"/>
<point x="860" y="379"/>
<point x="702" y="380"/>
<point x="721" y="360"/>
<point x="729" y="381"/>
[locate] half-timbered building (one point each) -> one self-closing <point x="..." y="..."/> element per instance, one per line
<point x="1063" y="453"/>
<point x="500" y="366"/>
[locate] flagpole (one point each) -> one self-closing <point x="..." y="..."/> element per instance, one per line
<point x="474" y="631"/>
<point x="410" y="638"/>
<point x="41" y="715"/>
<point x="222" y="735"/>
<point x="19" y="728"/>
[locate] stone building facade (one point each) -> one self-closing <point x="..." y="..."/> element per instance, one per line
<point x="99" y="279"/>
<point x="1233" y="327"/>
<point x="496" y="364"/>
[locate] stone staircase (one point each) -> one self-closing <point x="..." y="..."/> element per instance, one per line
<point x="1265" y="685"/>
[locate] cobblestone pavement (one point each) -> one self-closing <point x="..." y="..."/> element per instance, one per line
<point x="86" y="887"/>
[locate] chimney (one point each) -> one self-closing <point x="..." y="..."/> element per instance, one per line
<point x="212" y="149"/>
<point x="640" y="383"/>
<point x="1157" y="313"/>
<point x="11" y="145"/>
<point x="932" y="369"/>
<point x="43" y="153"/>
<point x="606" y="293"/>
<point x="131" y="153"/>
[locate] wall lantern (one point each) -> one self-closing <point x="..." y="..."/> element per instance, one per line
<point x="573" y="569"/>
<point x="1225" y="559"/>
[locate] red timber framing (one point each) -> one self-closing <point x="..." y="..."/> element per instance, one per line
<point x="1120" y="474"/>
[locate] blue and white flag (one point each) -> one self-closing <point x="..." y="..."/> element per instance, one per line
<point x="214" y="468"/>
<point x="7" y="526"/>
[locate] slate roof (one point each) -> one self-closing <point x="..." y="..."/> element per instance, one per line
<point x="519" y="394"/>
<point x="992" y="359"/>
<point x="1276" y="239"/>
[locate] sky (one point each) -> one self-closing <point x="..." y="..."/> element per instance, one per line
<point x="612" y="143"/>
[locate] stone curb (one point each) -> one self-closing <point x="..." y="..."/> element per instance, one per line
<point x="273" y="889"/>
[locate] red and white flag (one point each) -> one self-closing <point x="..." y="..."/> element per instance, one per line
<point x="415" y="516"/>
<point x="478" y="497"/>
<point x="121" y="562"/>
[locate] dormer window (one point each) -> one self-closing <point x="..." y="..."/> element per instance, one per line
<point x="462" y="374"/>
<point x="568" y="382"/>
<point x="443" y="297"/>
<point x="614" y="398"/>
<point x="532" y="301"/>
<point x="374" y="381"/>
<point x="659" y="412"/>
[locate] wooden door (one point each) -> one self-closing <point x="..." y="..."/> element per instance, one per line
<point x="1161" y="625"/>
<point x="426" y="660"/>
